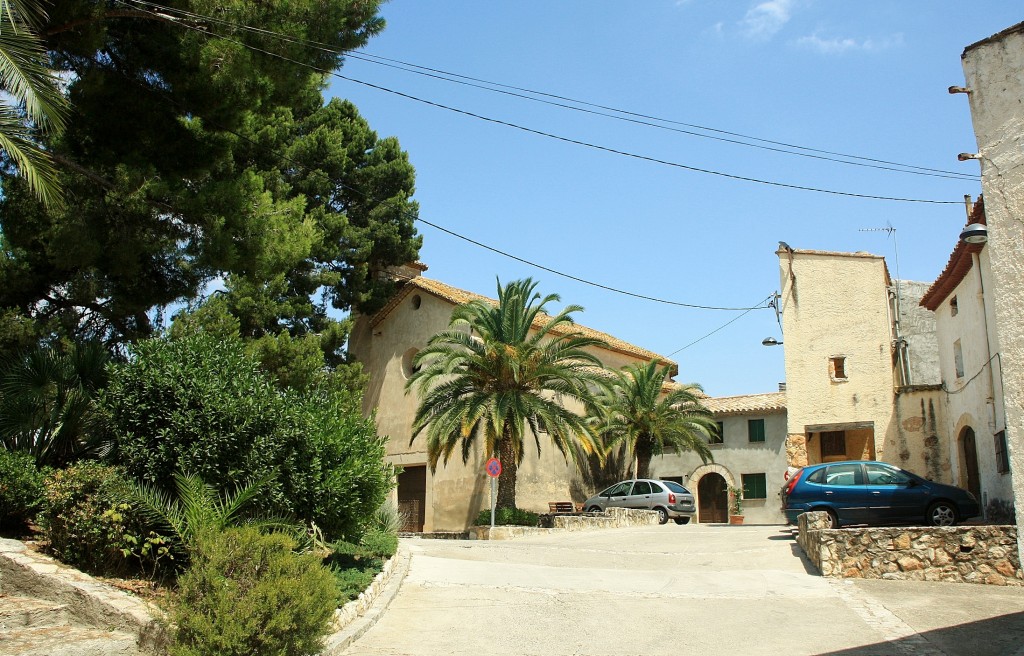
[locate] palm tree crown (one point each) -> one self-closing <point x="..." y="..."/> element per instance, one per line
<point x="638" y="413"/>
<point x="499" y="368"/>
<point x="32" y="101"/>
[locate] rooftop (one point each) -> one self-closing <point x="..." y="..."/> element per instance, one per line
<point x="768" y="403"/>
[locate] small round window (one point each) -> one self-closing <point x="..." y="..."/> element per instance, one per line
<point x="416" y="301"/>
<point x="408" y="366"/>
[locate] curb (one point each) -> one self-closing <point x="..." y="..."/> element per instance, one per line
<point x="342" y="639"/>
<point x="90" y="601"/>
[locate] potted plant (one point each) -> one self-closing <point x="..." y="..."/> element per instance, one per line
<point x="735" y="505"/>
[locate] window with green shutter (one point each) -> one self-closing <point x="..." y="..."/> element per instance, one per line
<point x="755" y="430"/>
<point x="755" y="486"/>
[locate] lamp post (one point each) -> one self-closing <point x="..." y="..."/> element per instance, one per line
<point x="770" y="341"/>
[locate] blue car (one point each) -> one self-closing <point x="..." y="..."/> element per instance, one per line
<point x="868" y="492"/>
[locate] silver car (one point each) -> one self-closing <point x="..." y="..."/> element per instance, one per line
<point x="670" y="499"/>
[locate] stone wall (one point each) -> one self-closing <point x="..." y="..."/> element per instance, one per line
<point x="611" y="518"/>
<point x="964" y="554"/>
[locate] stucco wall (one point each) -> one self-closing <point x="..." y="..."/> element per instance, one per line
<point x="736" y="456"/>
<point x="455" y="492"/>
<point x="974" y="400"/>
<point x="918" y="439"/>
<point x="837" y="304"/>
<point x="918" y="328"/>
<point x="992" y="70"/>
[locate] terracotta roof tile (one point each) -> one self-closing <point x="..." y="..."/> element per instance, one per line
<point x="958" y="266"/>
<point x="458" y="296"/>
<point x="769" y="403"/>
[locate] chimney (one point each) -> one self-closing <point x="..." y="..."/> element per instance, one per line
<point x="782" y="387"/>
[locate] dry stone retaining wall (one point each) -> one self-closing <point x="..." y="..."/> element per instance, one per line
<point x="611" y="518"/>
<point x="967" y="554"/>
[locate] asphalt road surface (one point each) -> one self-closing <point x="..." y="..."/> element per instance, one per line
<point x="695" y="589"/>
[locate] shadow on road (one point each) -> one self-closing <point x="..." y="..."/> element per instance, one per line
<point x="997" y="636"/>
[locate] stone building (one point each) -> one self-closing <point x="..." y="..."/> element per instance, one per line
<point x="972" y="374"/>
<point x="861" y="371"/>
<point x="751" y="453"/>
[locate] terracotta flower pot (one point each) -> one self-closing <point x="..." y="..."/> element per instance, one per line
<point x="736" y="519"/>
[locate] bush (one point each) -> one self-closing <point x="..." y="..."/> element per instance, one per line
<point x="507" y="517"/>
<point x="201" y="405"/>
<point x="90" y="525"/>
<point x="248" y="593"/>
<point x="21" y="489"/>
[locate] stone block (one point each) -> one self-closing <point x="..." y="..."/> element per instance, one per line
<point x="909" y="564"/>
<point x="1005" y="568"/>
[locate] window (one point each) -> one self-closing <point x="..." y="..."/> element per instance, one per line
<point x="844" y="475"/>
<point x="719" y="437"/>
<point x="882" y="475"/>
<point x="1002" y="457"/>
<point x="542" y="428"/>
<point x="958" y="359"/>
<point x="676" y="487"/>
<point x="641" y="487"/>
<point x="837" y="367"/>
<point x="416" y="302"/>
<point x="618" y="490"/>
<point x="409" y="366"/>
<point x="833" y="443"/>
<point x="755" y="486"/>
<point x="817" y="477"/>
<point x="755" y="430"/>
<point x="953" y="309"/>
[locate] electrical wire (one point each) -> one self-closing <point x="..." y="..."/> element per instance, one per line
<point x="563" y="138"/>
<point x="724" y="325"/>
<point x="479" y="244"/>
<point x="618" y="114"/>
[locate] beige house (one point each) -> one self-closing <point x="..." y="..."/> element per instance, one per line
<point x="972" y="374"/>
<point x="750" y="454"/>
<point x="450" y="498"/>
<point x="859" y="380"/>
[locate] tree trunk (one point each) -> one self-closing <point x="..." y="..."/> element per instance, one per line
<point x="509" y="473"/>
<point x="644" y="453"/>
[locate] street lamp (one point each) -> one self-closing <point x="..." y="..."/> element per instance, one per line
<point x="974" y="233"/>
<point x="770" y="341"/>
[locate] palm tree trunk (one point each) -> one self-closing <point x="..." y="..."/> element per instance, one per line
<point x="509" y="473"/>
<point x="643" y="459"/>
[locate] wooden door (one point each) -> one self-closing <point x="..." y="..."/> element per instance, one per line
<point x="712" y="500"/>
<point x="412" y="498"/>
<point x="971" y="462"/>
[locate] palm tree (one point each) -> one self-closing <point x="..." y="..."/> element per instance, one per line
<point x="31" y="100"/>
<point x="500" y="368"/>
<point x="47" y="402"/>
<point x="649" y="421"/>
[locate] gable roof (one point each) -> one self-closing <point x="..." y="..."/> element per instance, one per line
<point x="958" y="266"/>
<point x="457" y="296"/>
<point x="768" y="403"/>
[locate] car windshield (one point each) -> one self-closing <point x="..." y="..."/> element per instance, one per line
<point x="675" y="487"/>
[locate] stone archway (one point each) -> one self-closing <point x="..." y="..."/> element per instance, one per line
<point x="712" y="482"/>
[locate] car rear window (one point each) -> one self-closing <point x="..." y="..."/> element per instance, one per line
<point x="675" y="487"/>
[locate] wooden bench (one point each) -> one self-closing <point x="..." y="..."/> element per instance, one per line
<point x="562" y="507"/>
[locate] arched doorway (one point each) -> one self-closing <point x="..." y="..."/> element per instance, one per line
<point x="969" y="476"/>
<point x="712" y="499"/>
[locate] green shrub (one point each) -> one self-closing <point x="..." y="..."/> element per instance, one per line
<point x="249" y="593"/>
<point x="89" y="524"/>
<point x="507" y="517"/>
<point x="21" y="489"/>
<point x="201" y="405"/>
<point x="352" y="580"/>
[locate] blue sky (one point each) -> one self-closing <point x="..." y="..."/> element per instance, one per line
<point x="867" y="79"/>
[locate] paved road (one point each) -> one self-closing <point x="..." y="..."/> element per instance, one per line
<point x="696" y="589"/>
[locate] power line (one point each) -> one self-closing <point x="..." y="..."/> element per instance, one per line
<point x="730" y="321"/>
<point x="498" y="251"/>
<point x="618" y="114"/>
<point x="569" y="139"/>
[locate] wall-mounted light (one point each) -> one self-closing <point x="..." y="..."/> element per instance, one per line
<point x="770" y="341"/>
<point x="975" y="233"/>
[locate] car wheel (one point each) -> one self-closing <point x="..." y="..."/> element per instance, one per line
<point x="594" y="509"/>
<point x="682" y="520"/>
<point x="941" y="513"/>
<point x="833" y="519"/>
<point x="662" y="515"/>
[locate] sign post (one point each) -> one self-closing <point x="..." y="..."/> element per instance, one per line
<point x="493" y="468"/>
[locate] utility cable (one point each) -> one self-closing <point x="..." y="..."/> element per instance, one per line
<point x="761" y="304"/>
<point x="563" y="138"/>
<point x="479" y="244"/>
<point x="618" y="114"/>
